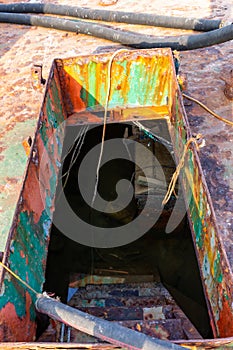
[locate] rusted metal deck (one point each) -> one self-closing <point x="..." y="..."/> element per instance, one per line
<point x="22" y="47"/>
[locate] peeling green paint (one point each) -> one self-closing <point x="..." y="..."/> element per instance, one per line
<point x="29" y="241"/>
<point x="149" y="83"/>
<point x="217" y="268"/>
<point x="43" y="132"/>
<point x="12" y="170"/>
<point x="205" y="234"/>
<point x="142" y="81"/>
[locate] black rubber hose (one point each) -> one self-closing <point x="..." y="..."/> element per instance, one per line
<point x="141" y="41"/>
<point x="97" y="327"/>
<point x="114" y="16"/>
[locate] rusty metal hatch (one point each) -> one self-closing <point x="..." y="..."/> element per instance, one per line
<point x="76" y="95"/>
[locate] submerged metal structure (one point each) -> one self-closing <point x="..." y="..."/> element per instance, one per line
<point x="76" y="88"/>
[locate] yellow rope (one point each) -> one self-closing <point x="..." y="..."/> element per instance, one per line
<point x="105" y="117"/>
<point x="19" y="279"/>
<point x="176" y="174"/>
<point x="208" y="110"/>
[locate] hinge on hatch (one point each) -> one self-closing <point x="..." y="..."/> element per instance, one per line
<point x="37" y="79"/>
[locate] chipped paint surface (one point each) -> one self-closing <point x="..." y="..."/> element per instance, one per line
<point x="213" y="264"/>
<point x="75" y="83"/>
<point x="15" y="167"/>
<point x="21" y="47"/>
<point x="17" y="324"/>
<point x="27" y="242"/>
<point x="137" y="79"/>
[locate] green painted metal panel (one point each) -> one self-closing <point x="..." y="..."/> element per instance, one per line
<point x="138" y="79"/>
<point x="28" y="239"/>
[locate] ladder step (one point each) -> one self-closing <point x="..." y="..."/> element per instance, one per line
<point x="122" y="286"/>
<point x="130" y="313"/>
<point x="170" y="329"/>
<point x="81" y="280"/>
<point x="162" y="329"/>
<point x="120" y="301"/>
<point x="145" y="307"/>
<point x="123" y="290"/>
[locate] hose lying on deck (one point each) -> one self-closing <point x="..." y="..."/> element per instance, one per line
<point x="115" y="16"/>
<point x="97" y="327"/>
<point x="131" y="39"/>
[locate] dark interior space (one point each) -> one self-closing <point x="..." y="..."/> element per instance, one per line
<point x="169" y="258"/>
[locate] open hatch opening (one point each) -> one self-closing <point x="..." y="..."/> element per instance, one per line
<point x="156" y="255"/>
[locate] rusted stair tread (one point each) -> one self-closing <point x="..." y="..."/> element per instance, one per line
<point x="123" y="290"/>
<point x="130" y="313"/>
<point x="130" y="277"/>
<point x="145" y="292"/>
<point x="146" y="307"/>
<point x="81" y="280"/>
<point x="121" y="301"/>
<point x="139" y="285"/>
<point x="176" y="328"/>
<point x="170" y="329"/>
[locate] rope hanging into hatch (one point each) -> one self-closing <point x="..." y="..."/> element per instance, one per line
<point x="176" y="174"/>
<point x="105" y="119"/>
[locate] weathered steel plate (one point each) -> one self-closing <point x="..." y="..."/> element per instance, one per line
<point x="213" y="264"/>
<point x="223" y="211"/>
<point x="27" y="240"/>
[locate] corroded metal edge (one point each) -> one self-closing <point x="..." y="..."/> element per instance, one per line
<point x="213" y="263"/>
<point x="84" y="79"/>
<point x="214" y="267"/>
<point x="215" y="344"/>
<point x="29" y="236"/>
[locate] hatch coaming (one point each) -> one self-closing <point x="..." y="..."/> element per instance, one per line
<point x="138" y="78"/>
<point x="213" y="263"/>
<point x="27" y="241"/>
<point x="76" y="89"/>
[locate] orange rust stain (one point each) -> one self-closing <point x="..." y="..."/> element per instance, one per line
<point x="32" y="197"/>
<point x="22" y="254"/>
<point x="225" y="323"/>
<point x="83" y="117"/>
<point x="74" y="89"/>
<point x="56" y="105"/>
<point x="13" y="328"/>
<point x="164" y="77"/>
<point x="138" y="327"/>
<point x="26" y="146"/>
